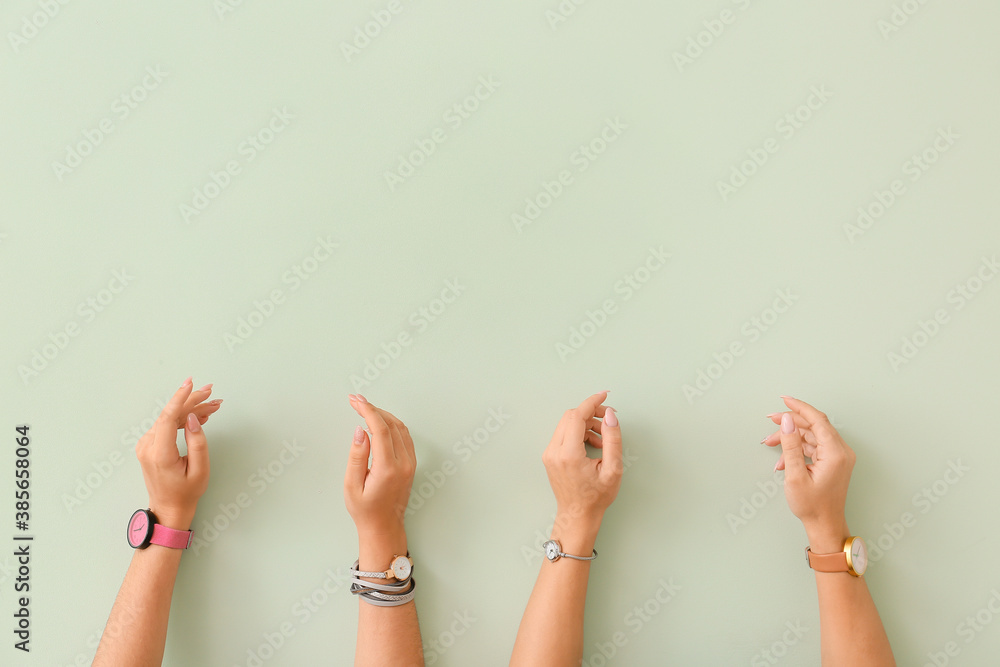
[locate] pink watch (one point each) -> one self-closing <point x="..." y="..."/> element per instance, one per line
<point x="143" y="530"/>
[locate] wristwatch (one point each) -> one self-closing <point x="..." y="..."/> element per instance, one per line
<point x="853" y="558"/>
<point x="399" y="570"/>
<point x="553" y="551"/>
<point x="144" y="530"/>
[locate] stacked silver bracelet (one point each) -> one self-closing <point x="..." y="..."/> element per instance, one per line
<point x="382" y="595"/>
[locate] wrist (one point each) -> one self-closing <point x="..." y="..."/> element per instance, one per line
<point x="576" y="534"/>
<point x="171" y="518"/>
<point x="376" y="550"/>
<point x="827" y="537"/>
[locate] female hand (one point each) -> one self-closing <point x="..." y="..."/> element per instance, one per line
<point x="584" y="487"/>
<point x="816" y="492"/>
<point x="376" y="497"/>
<point x="175" y="482"/>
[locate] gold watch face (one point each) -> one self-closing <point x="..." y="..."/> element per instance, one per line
<point x="401" y="567"/>
<point x="857" y="556"/>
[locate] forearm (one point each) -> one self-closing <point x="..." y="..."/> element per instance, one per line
<point x="136" y="631"/>
<point x="851" y="632"/>
<point x="551" y="631"/>
<point x="386" y="635"/>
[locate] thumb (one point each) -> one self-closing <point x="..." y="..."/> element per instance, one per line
<point x="357" y="461"/>
<point x="197" y="447"/>
<point x="791" y="447"/>
<point x="611" y="452"/>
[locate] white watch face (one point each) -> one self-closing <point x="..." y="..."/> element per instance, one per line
<point x="551" y="550"/>
<point x="859" y="555"/>
<point x="401" y="567"/>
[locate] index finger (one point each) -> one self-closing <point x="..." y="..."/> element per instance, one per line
<point x="165" y="430"/>
<point x="804" y="410"/>
<point x="382" y="449"/>
<point x="576" y="427"/>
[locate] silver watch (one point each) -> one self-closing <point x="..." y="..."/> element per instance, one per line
<point x="554" y="552"/>
<point x="399" y="570"/>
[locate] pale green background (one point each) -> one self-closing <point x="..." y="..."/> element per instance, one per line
<point x="495" y="347"/>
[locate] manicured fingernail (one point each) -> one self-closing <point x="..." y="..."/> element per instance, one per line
<point x="362" y="398"/>
<point x="787" y="423"/>
<point x="359" y="435"/>
<point x="763" y="440"/>
<point x="217" y="401"/>
<point x="206" y="387"/>
<point x="776" y="465"/>
<point x="193" y="424"/>
<point x="610" y="418"/>
<point x="773" y="415"/>
<point x="789" y="397"/>
<point x="186" y="382"/>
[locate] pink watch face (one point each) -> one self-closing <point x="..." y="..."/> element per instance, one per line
<point x="139" y="530"/>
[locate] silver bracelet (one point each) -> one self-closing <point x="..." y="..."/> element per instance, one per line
<point x="553" y="551"/>
<point x="391" y="595"/>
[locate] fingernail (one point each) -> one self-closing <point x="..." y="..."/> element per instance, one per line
<point x="193" y="425"/>
<point x="776" y="465"/>
<point x="789" y="397"/>
<point x="787" y="423"/>
<point x="217" y="401"/>
<point x="763" y="440"/>
<point x="359" y="435"/>
<point x="206" y="387"/>
<point x="610" y="418"/>
<point x="186" y="382"/>
<point x="773" y="415"/>
<point x="362" y="398"/>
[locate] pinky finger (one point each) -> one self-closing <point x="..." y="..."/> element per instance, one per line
<point x="780" y="465"/>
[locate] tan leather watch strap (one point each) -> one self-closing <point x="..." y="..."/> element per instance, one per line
<point x="835" y="562"/>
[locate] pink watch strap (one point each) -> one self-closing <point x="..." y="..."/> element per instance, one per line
<point x="169" y="537"/>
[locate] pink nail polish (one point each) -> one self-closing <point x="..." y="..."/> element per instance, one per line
<point x="206" y="387"/>
<point x="776" y="465"/>
<point x="217" y="401"/>
<point x="359" y="435"/>
<point x="186" y="382"/>
<point x="787" y="423"/>
<point x="192" y="423"/>
<point x="362" y="398"/>
<point x="773" y="415"/>
<point x="610" y="418"/>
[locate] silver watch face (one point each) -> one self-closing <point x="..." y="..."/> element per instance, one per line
<point x="551" y="549"/>
<point x="401" y="568"/>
